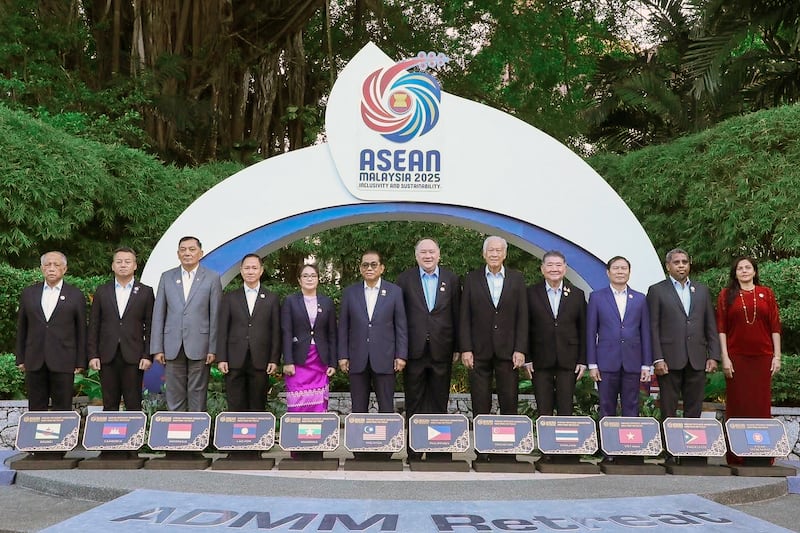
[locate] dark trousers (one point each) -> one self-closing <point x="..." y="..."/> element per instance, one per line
<point x="554" y="388"/>
<point x="246" y="387"/>
<point x="361" y="383"/>
<point x="120" y="379"/>
<point x="686" y="383"/>
<point x="480" y="384"/>
<point x="624" y="385"/>
<point x="427" y="384"/>
<point x="44" y="384"/>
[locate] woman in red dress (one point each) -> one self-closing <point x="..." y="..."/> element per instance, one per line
<point x="750" y="337"/>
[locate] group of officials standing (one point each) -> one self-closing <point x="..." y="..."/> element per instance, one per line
<point x="421" y="325"/>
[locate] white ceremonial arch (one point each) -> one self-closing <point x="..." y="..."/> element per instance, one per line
<point x="399" y="148"/>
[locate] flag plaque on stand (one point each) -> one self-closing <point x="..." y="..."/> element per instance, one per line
<point x="501" y="438"/>
<point x="307" y="436"/>
<point x="46" y="436"/>
<point x="244" y="436"/>
<point x="118" y="435"/>
<point x="562" y="440"/>
<point x="439" y="434"/>
<point x="184" y="436"/>
<point x="373" y="438"/>
<point x="690" y="442"/>
<point x="626" y="441"/>
<point x="758" y="441"/>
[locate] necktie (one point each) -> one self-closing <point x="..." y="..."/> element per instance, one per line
<point x="554" y="300"/>
<point x="429" y="287"/>
<point x="187" y="284"/>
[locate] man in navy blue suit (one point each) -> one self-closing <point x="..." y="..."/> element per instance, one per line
<point x="618" y="347"/>
<point x="373" y="336"/>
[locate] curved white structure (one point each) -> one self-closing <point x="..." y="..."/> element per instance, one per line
<point x="398" y="149"/>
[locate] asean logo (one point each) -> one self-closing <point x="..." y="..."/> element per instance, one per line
<point x="402" y="105"/>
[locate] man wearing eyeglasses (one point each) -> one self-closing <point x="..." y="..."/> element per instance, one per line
<point x="373" y="336"/>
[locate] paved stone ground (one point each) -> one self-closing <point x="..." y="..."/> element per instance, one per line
<point x="43" y="498"/>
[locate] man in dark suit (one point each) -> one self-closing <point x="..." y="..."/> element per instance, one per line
<point x="119" y="333"/>
<point x="493" y="329"/>
<point x="373" y="336"/>
<point x="685" y="339"/>
<point x="51" y="336"/>
<point x="432" y="297"/>
<point x="618" y="347"/>
<point x="184" y="332"/>
<point x="557" y="323"/>
<point x="249" y="342"/>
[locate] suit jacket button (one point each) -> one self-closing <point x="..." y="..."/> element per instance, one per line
<point x="369" y="326"/>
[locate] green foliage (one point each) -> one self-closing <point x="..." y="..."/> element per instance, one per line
<point x="216" y="401"/>
<point x="12" y="381"/>
<point x="88" y="385"/>
<point x="784" y="383"/>
<point x="720" y="193"/>
<point x="647" y="406"/>
<point x="85" y="198"/>
<point x="44" y="58"/>
<point x="586" y="398"/>
<point x="715" y="387"/>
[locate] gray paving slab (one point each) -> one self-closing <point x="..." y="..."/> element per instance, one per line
<point x="43" y="498"/>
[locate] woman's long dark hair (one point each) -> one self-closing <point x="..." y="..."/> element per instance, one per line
<point x="733" y="283"/>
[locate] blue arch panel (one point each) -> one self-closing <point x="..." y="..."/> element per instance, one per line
<point x="280" y="232"/>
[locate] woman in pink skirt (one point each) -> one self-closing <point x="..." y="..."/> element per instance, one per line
<point x="308" y="323"/>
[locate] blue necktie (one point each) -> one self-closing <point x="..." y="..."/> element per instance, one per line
<point x="429" y="287"/>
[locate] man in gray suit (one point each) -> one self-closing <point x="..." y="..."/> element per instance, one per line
<point x="184" y="332"/>
<point x="684" y="334"/>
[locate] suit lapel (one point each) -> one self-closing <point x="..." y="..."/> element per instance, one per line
<point x="260" y="298"/>
<point x="131" y="296"/>
<point x="379" y="299"/>
<point x="362" y="300"/>
<point x="419" y="290"/>
<point x="198" y="278"/>
<point x="177" y="279"/>
<point x="544" y="299"/>
<point x="612" y="301"/>
<point x="38" y="302"/>
<point x="677" y="299"/>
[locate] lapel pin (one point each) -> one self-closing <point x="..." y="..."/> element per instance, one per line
<point x="760" y="295"/>
<point x="383" y="292"/>
<point x="178" y="281"/>
<point x="442" y="289"/>
<point x="62" y="298"/>
<point x="630" y="296"/>
<point x="261" y="296"/>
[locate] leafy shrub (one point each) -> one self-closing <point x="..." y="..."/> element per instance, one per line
<point x="784" y="384"/>
<point x="12" y="381"/>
